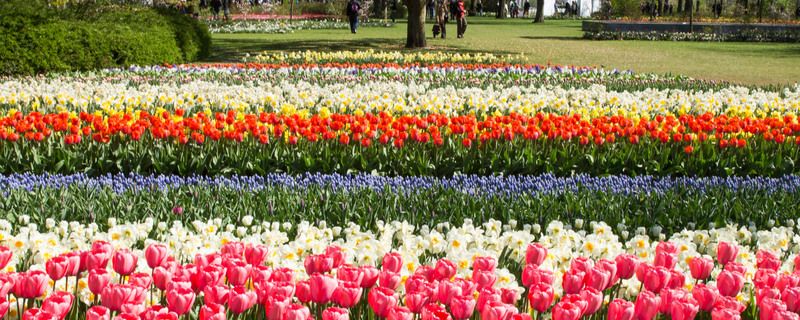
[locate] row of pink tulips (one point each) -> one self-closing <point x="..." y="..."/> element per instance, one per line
<point x="236" y="284"/>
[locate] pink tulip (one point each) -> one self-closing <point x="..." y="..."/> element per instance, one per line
<point x="597" y="278"/>
<point x="296" y="312"/>
<point x="572" y="281"/>
<point x="370" y="276"/>
<point x="509" y="296"/>
<point x="237" y="272"/>
<point x="705" y="296"/>
<point x="58" y="303"/>
<point x="276" y="305"/>
<point x="646" y="306"/>
<point x="97" y="259"/>
<point x="620" y="309"/>
<point x="240" y="299"/>
<point x="347" y="294"/>
<point x="416" y="301"/>
<point x="399" y="313"/>
<point x="535" y="254"/>
<point x="255" y="254"/>
<point x="594" y="298"/>
<point x="155" y="254"/>
<point x="349" y="274"/>
<point x="434" y="311"/>
<point x="683" y="310"/>
<point x="787" y="281"/>
<point x="180" y="300"/>
<point x="166" y="316"/>
<point x="212" y="312"/>
<point x="281" y="274"/>
<point x="418" y="283"/>
<point x="115" y="295"/>
<point x="134" y="308"/>
<point x="735" y="267"/>
<point x="626" y="265"/>
<point x="768" y="310"/>
<point x="444" y="269"/>
<point x="3" y="306"/>
<point x="322" y="287"/>
<point x="334" y="313"/>
<point x="5" y="256"/>
<point x="140" y="279"/>
<point x="487" y="296"/>
<point x="532" y="275"/>
<point x="462" y="307"/>
<point x="765" y="278"/>
<point x="768" y="260"/>
<point x="388" y="279"/>
<point x="124" y="262"/>
<point x="676" y="279"/>
<point x="97" y="280"/>
<point x="666" y="255"/>
<point x="335" y="252"/>
<point x="233" y="249"/>
<point x="392" y="262"/>
<point x="726" y="314"/>
<point x="521" y="316"/>
<point x="483" y="278"/>
<point x="217" y="294"/>
<point x="205" y="260"/>
<point x="126" y="316"/>
<point x="151" y="313"/>
<point x="726" y="252"/>
<point x="729" y="303"/>
<point x="302" y="290"/>
<point x="766" y="293"/>
<point x="98" y="313"/>
<point x="74" y="265"/>
<point x="318" y="263"/>
<point x="701" y="267"/>
<point x="656" y="278"/>
<point x="30" y="284"/>
<point x="541" y="297"/>
<point x="7" y="281"/>
<point x="729" y="283"/>
<point x="446" y="290"/>
<point x="381" y="300"/>
<point x="497" y="310"/>
<point x="566" y="311"/>
<point x="791" y="297"/>
<point x="484" y="264"/>
<point x="56" y="267"/>
<point x="102" y="246"/>
<point x="38" y="314"/>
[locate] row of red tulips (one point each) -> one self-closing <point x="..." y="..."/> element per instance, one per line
<point x="687" y="129"/>
<point x="235" y="283"/>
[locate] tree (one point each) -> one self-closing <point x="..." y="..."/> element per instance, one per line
<point x="501" y="9"/>
<point x="539" y="11"/>
<point x="416" y="24"/>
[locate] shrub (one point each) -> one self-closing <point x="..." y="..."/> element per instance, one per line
<point x="39" y="39"/>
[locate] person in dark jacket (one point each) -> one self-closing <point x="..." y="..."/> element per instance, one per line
<point x="461" y="18"/>
<point x="353" y="9"/>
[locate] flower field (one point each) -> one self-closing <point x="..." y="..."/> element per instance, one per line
<point x="398" y="186"/>
<point x="284" y="26"/>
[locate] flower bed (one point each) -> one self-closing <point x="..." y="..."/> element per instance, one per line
<point x="256" y="270"/>
<point x="286" y="26"/>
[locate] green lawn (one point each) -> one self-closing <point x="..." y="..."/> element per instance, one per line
<point x="552" y="42"/>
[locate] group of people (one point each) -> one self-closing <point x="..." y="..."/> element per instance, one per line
<point x="446" y="10"/>
<point x="514" y="10"/>
<point x="567" y="8"/>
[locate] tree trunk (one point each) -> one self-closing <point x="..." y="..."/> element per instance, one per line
<point x="501" y="9"/>
<point x="416" y="24"/>
<point x="539" y="11"/>
<point x="680" y="6"/>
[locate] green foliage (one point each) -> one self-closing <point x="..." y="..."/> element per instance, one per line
<point x="40" y="39"/>
<point x="626" y="8"/>
<point x="332" y="8"/>
<point x="673" y="210"/>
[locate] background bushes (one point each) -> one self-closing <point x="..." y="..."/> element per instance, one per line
<point x="37" y="38"/>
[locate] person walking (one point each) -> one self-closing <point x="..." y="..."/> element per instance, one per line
<point x="441" y="17"/>
<point x="479" y="8"/>
<point x="461" y="18"/>
<point x="526" y="8"/>
<point x="353" y="9"/>
<point x="226" y="9"/>
<point x="216" y="5"/>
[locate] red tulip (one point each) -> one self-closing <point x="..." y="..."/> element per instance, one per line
<point x="626" y="265"/>
<point x="462" y="307"/>
<point x="598" y="278"/>
<point x="726" y="252"/>
<point x="347" y="294"/>
<point x="572" y="281"/>
<point x="541" y="297"/>
<point x="497" y="310"/>
<point x="484" y="264"/>
<point x="656" y="278"/>
<point x="58" y="303"/>
<point x="237" y="272"/>
<point x="399" y="313"/>
<point x="38" y="314"/>
<point x="349" y="274"/>
<point x="620" y="309"/>
<point x="392" y="262"/>
<point x="791" y="297"/>
<point x="56" y="267"/>
<point x="483" y="278"/>
<point x="521" y="316"/>
<point x="97" y="259"/>
<point x="233" y="249"/>
<point x="334" y="313"/>
<point x="683" y="310"/>
<point x="726" y="314"/>
<point x="318" y="263"/>
<point x="74" y="265"/>
<point x="98" y="279"/>
<point x="212" y="312"/>
<point x="705" y="296"/>
<point x="255" y="254"/>
<point x="5" y="256"/>
<point x="276" y="305"/>
<point x="7" y="281"/>
<point x="535" y="254"/>
<point x="444" y="269"/>
<point x="381" y="300"/>
<point x="115" y="295"/>
<point x="161" y="276"/>
<point x="701" y="267"/>
<point x="765" y="278"/>
<point x="98" y="313"/>
<point x="646" y="306"/>
<point x="729" y="303"/>
<point x="666" y="255"/>
<point x="30" y="284"/>
<point x="509" y="296"/>
<point x="729" y="283"/>
<point x="296" y="312"/>
<point x="434" y="311"/>
<point x="446" y="290"/>
<point x="180" y="300"/>
<point x="126" y="316"/>
<point x="3" y="307"/>
<point x="767" y="260"/>
<point x="124" y="262"/>
<point x="582" y="264"/>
